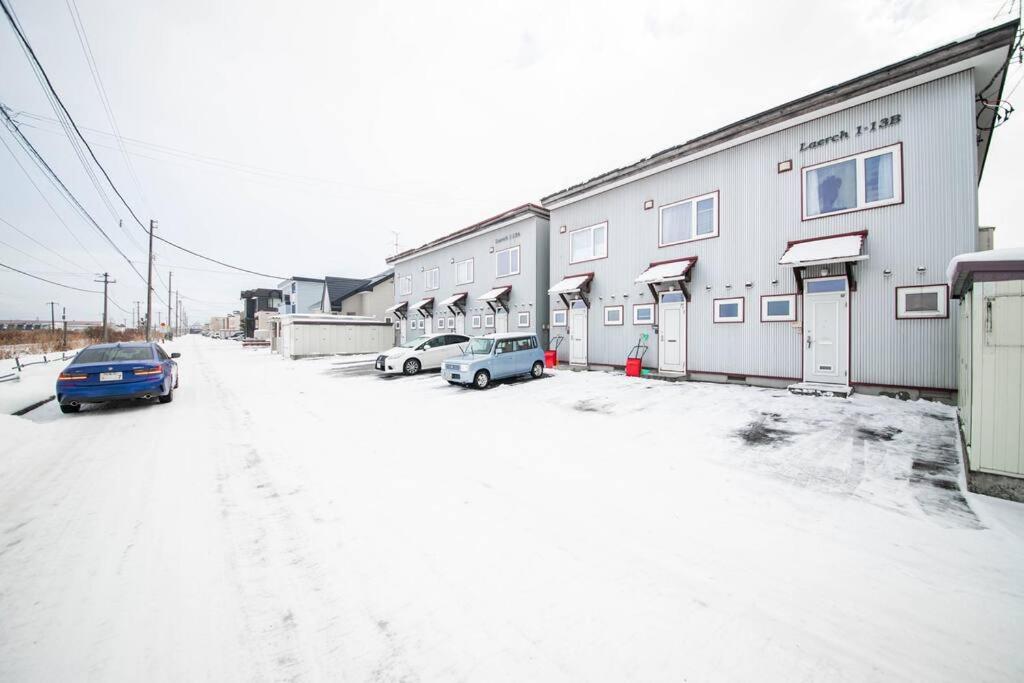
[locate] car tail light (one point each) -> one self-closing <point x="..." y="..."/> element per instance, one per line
<point x="148" y="371"/>
<point x="68" y="377"/>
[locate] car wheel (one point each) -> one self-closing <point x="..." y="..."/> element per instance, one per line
<point x="411" y="366"/>
<point x="168" y="398"/>
<point x="68" y="409"/>
<point x="537" y="371"/>
<point x="481" y="379"/>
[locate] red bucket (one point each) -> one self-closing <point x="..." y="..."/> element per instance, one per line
<point x="550" y="359"/>
<point x="633" y="367"/>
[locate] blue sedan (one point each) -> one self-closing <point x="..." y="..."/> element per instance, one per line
<point x="115" y="372"/>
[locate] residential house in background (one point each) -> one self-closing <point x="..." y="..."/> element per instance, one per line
<point x="301" y="295"/>
<point x="254" y="301"/>
<point x="491" y="276"/>
<point x="359" y="296"/>
<point x="805" y="245"/>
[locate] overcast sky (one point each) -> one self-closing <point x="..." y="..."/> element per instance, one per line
<point x="293" y="138"/>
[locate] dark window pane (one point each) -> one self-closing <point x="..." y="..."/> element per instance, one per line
<point x="778" y="308"/>
<point x="728" y="310"/>
<point x="923" y="302"/>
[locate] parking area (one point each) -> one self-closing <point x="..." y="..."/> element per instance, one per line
<point x="289" y="518"/>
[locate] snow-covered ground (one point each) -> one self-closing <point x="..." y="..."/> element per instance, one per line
<point x="314" y="521"/>
<point x="35" y="381"/>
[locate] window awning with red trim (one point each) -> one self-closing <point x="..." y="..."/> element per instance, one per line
<point x="667" y="271"/>
<point x="572" y="284"/>
<point x="820" y="251"/>
<point x="424" y="304"/>
<point x="495" y="294"/>
<point x="454" y="299"/>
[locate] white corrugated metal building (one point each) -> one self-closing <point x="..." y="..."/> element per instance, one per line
<point x="300" y="335"/>
<point x="990" y="287"/>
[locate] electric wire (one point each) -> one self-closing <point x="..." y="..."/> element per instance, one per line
<point x="37" y="242"/>
<point x="58" y="284"/>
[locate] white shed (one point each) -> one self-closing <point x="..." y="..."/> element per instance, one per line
<point x="990" y="366"/>
<point x="304" y="335"/>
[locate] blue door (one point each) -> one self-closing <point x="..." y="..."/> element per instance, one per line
<point x="504" y="363"/>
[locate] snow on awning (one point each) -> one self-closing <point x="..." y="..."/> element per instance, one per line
<point x="424" y="303"/>
<point x="571" y="284"/>
<point x="454" y="299"/>
<point x="495" y="294"/>
<point x="666" y="271"/>
<point x="824" y="250"/>
<point x="399" y="307"/>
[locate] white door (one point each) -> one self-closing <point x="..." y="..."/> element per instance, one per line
<point x="501" y="322"/>
<point x="578" y="333"/>
<point x="428" y="325"/>
<point x="460" y="324"/>
<point x="672" y="332"/>
<point x="826" y="331"/>
<point x="402" y="325"/>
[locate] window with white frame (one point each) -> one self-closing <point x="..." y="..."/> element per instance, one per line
<point x="489" y="320"/>
<point x="861" y="181"/>
<point x="523" y="319"/>
<point x="405" y="285"/>
<point x="778" y="308"/>
<point x="507" y="262"/>
<point x="643" y="314"/>
<point x="558" y="317"/>
<point x="613" y="315"/>
<point x="451" y="323"/>
<point x="688" y="220"/>
<point x="474" y="322"/>
<point x="587" y="244"/>
<point x="464" y="272"/>
<point x="432" y="279"/>
<point x="729" y="310"/>
<point x="926" y="301"/>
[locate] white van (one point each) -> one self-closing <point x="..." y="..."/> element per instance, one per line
<point x="422" y="353"/>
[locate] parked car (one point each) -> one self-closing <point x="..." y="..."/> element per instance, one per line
<point x="422" y="353"/>
<point x="495" y="356"/>
<point x="114" y="372"/>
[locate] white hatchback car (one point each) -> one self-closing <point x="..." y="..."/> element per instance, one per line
<point x="422" y="353"/>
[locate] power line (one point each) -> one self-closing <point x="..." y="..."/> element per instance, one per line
<point x="213" y="260"/>
<point x="33" y="239"/>
<point x="77" y="289"/>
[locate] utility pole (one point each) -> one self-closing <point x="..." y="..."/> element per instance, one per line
<point x="136" y="314"/>
<point x="64" y="322"/>
<point x="149" y="283"/>
<point x="106" y="281"/>
<point x="53" y="322"/>
<point x="177" y="313"/>
<point x="170" y="320"/>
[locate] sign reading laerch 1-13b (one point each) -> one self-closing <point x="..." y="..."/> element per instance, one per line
<point x="867" y="128"/>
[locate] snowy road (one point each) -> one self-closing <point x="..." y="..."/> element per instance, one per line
<point x="311" y="521"/>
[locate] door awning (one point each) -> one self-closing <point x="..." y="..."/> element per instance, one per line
<point x="820" y="251"/>
<point x="496" y="298"/>
<point x="454" y="299"/>
<point x="577" y="285"/>
<point x="661" y="272"/>
<point x="398" y="309"/>
<point x="424" y="304"/>
<point x="572" y="284"/>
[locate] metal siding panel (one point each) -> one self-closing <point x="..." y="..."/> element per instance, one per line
<point x="760" y="211"/>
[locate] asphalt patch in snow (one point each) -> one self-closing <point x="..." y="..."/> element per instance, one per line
<point x="763" y="432"/>
<point x="879" y="434"/>
<point x="593" y="405"/>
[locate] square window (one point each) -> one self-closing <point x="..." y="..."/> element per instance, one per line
<point x="432" y="279"/>
<point x="489" y="320"/>
<point x="729" y="310"/>
<point x="643" y="314"/>
<point x="475" y="322"/>
<point x="613" y="315"/>
<point x="507" y="262"/>
<point x="687" y="220"/>
<point x="778" y="308"/>
<point x="451" y="323"/>
<point x="927" y="301"/>
<point x="523" y="319"/>
<point x="860" y="181"/>
<point x="558" y="318"/>
<point x="464" y="272"/>
<point x="587" y="244"/>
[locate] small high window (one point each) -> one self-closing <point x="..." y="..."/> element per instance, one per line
<point x="587" y="244"/>
<point x="613" y="315"/>
<point x="474" y="322"/>
<point x="523" y="319"/>
<point x="405" y="285"/>
<point x="489" y="320"/>
<point x="862" y="181"/>
<point x="643" y="314"/>
<point x="688" y="220"/>
<point x="558" y="317"/>
<point x="927" y="301"/>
